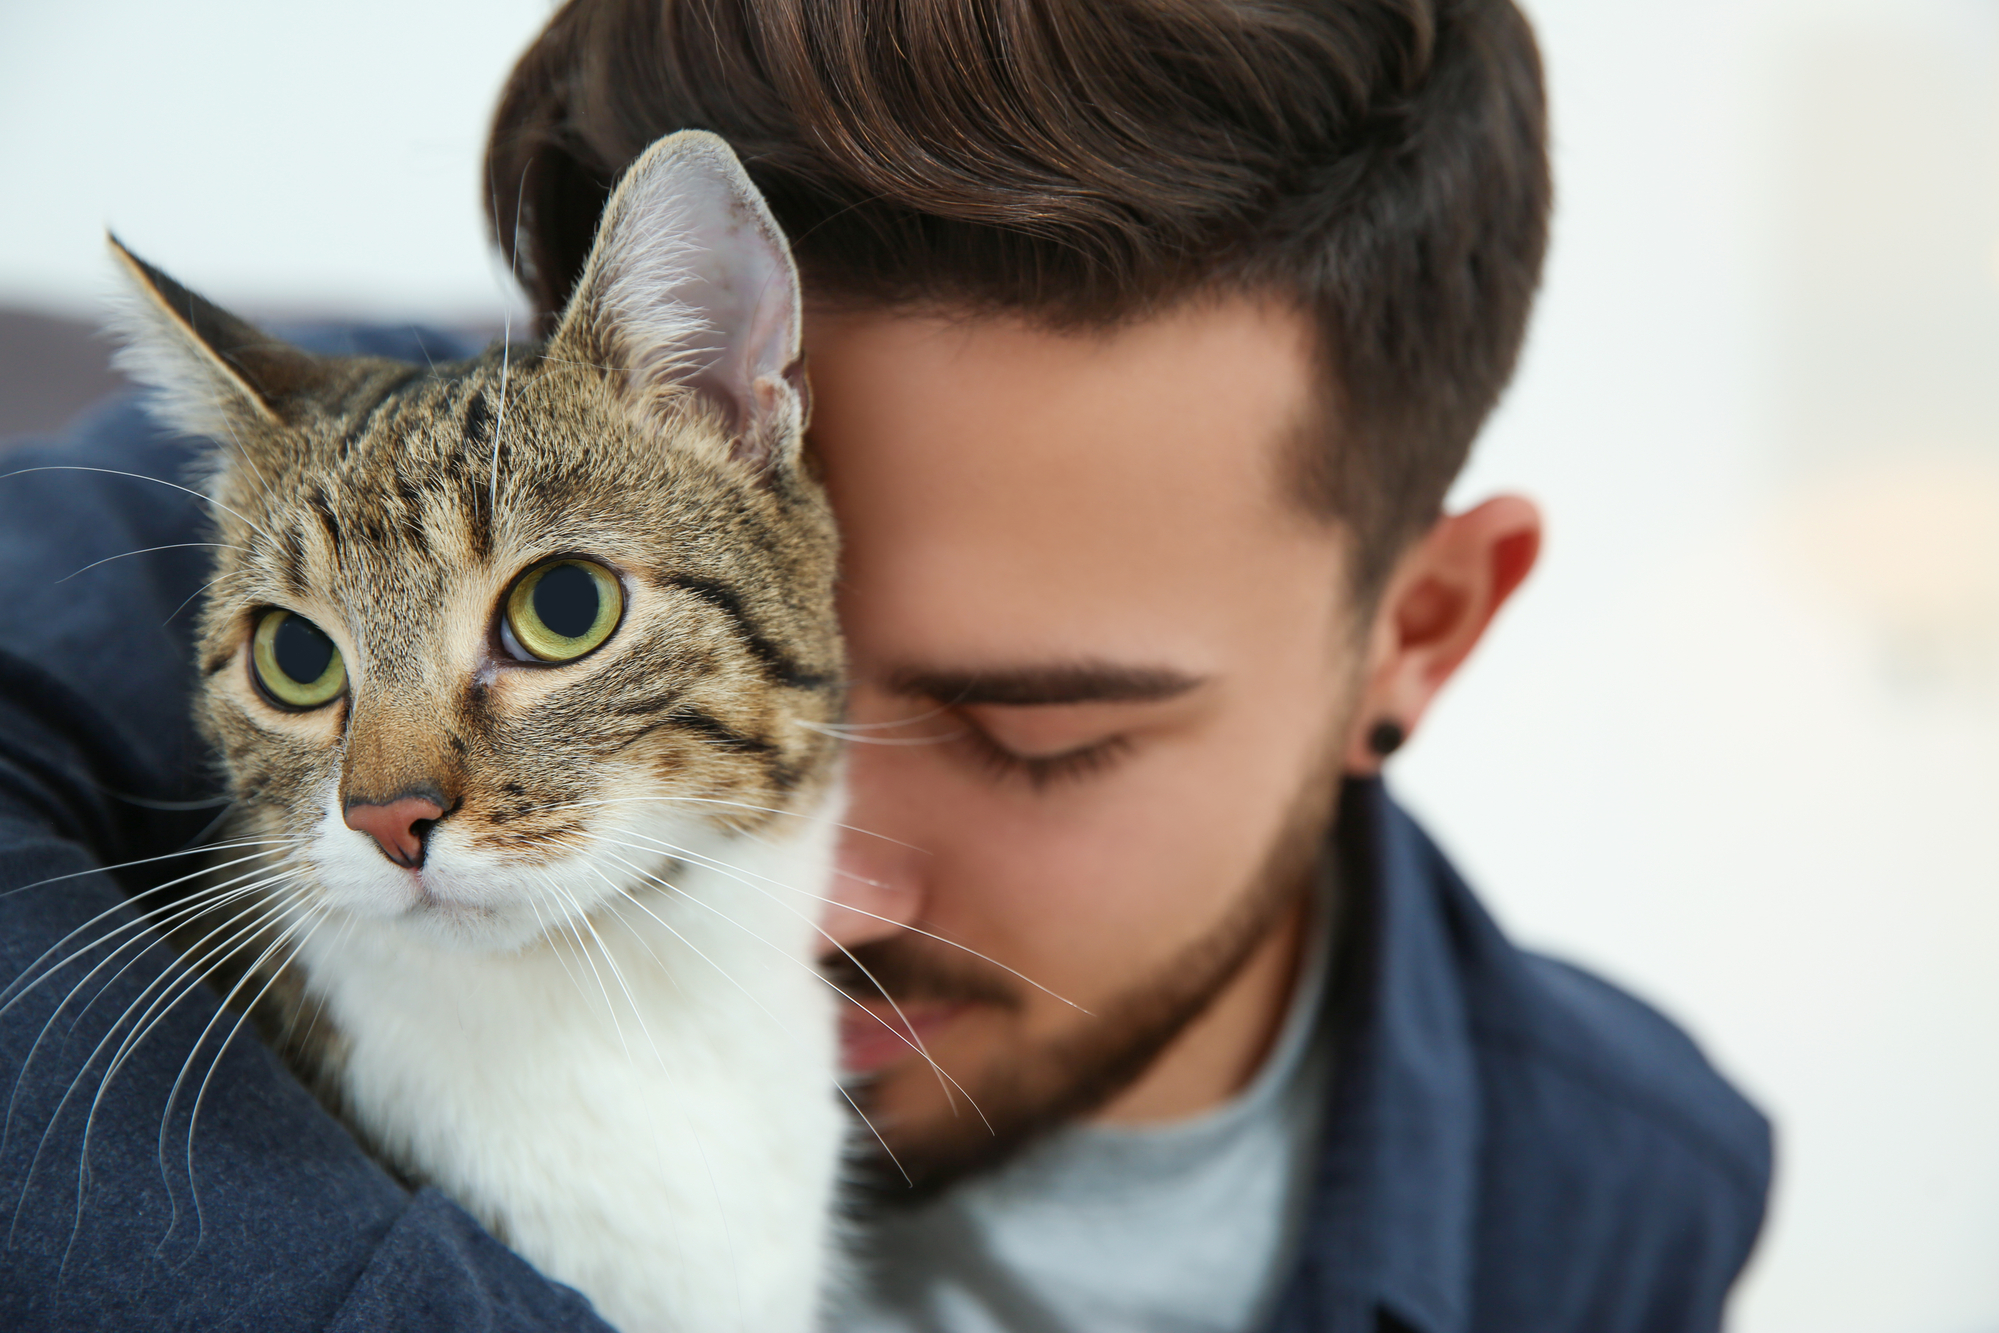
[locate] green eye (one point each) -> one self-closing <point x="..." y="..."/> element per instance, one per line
<point x="563" y="609"/>
<point x="296" y="663"/>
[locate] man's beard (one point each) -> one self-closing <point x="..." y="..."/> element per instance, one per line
<point x="1067" y="1077"/>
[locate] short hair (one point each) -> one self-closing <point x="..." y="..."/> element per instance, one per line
<point x="1380" y="163"/>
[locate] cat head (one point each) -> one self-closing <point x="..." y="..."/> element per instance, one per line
<point x="493" y="643"/>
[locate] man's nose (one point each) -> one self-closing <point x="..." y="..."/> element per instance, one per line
<point x="879" y="878"/>
<point x="400" y="827"/>
<point x="876" y="889"/>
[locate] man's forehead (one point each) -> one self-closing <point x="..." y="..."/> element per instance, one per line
<point x="1190" y="415"/>
<point x="1003" y="487"/>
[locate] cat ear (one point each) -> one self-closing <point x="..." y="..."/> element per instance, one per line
<point x="690" y="285"/>
<point x="208" y="370"/>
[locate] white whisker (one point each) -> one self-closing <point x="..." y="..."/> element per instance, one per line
<point x="7" y="1001"/>
<point x="617" y="974"/>
<point x="178" y="974"/>
<point x="723" y="972"/>
<point x="736" y="805"/>
<point x="688" y="853"/>
<point x="852" y="739"/>
<point x="582" y="948"/>
<point x="318" y="917"/>
<point x="229" y="574"/>
<point x="148" y="550"/>
<point x="148" y="860"/>
<point x="908" y="1036"/>
<point x="137" y="476"/>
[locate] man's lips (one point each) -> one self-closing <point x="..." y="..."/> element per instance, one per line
<point x="873" y="1036"/>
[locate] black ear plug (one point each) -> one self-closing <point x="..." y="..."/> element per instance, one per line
<point x="1386" y="737"/>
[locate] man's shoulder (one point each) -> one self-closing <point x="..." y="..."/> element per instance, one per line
<point x="1614" y="1179"/>
<point x="1582" y="1043"/>
<point x="1622" y="1178"/>
<point x="1593" y="1044"/>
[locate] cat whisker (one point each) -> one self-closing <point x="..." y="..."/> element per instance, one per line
<point x="226" y="574"/>
<point x="617" y="974"/>
<point x="690" y="945"/>
<point x="249" y="460"/>
<point x="546" y="933"/>
<point x="267" y="909"/>
<point x="7" y="1000"/>
<point x="183" y="910"/>
<point x="616" y="889"/>
<point x="737" y="805"/>
<point x="156" y="1013"/>
<point x="577" y="914"/>
<point x="850" y="728"/>
<point x="318" y="916"/>
<point x="137" y="476"/>
<point x="721" y="1208"/>
<point x="506" y="356"/>
<point x="690" y="854"/>
<point x="148" y="803"/>
<point x="845" y="1095"/>
<point x="148" y="550"/>
<point x="348" y="923"/>
<point x="852" y="739"/>
<point x="908" y="1036"/>
<point x="149" y="860"/>
<point x="186" y="978"/>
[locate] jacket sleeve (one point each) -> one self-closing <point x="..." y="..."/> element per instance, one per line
<point x="158" y="1167"/>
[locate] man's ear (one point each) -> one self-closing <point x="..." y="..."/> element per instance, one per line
<point x="690" y="286"/>
<point x="1444" y="592"/>
<point x="209" y="371"/>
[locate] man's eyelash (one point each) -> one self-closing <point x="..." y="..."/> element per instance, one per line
<point x="1042" y="770"/>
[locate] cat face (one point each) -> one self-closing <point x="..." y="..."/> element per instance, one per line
<point x="493" y="643"/>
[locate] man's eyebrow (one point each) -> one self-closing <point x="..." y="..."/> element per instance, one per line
<point x="1077" y="683"/>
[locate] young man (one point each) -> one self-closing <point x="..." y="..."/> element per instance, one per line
<point x="1145" y="340"/>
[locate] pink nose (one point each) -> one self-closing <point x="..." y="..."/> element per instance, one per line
<point x="398" y="828"/>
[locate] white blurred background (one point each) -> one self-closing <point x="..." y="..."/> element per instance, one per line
<point x="1737" y="744"/>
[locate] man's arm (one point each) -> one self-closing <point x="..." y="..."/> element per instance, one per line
<point x="158" y="1168"/>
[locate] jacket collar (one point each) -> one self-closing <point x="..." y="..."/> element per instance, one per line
<point x="1390" y="1220"/>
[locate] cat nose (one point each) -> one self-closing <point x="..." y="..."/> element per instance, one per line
<point x="400" y="827"/>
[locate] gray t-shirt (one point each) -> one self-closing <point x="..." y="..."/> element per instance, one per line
<point x="1184" y="1227"/>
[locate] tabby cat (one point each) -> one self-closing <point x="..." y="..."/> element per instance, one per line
<point x="523" y="672"/>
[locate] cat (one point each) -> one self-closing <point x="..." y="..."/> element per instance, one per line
<point x="524" y="676"/>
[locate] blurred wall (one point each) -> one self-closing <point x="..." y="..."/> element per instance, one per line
<point x="1737" y="744"/>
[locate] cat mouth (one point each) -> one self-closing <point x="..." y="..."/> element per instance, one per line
<point x="429" y="900"/>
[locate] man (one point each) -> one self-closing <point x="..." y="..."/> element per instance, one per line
<point x="1145" y="339"/>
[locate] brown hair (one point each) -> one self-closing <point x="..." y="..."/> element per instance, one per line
<point x="1081" y="162"/>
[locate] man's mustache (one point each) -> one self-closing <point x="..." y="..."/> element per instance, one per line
<point x="908" y="970"/>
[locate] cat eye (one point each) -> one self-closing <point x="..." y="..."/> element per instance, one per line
<point x="296" y="664"/>
<point x="560" y="610"/>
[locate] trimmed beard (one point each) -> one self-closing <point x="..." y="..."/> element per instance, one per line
<point x="1067" y="1077"/>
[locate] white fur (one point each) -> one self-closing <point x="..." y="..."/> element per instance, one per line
<point x="188" y="389"/>
<point x="649" y="1116"/>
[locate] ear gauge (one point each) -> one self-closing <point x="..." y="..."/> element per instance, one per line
<point x="1385" y="737"/>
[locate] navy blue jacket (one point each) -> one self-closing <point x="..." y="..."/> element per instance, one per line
<point x="1513" y="1145"/>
